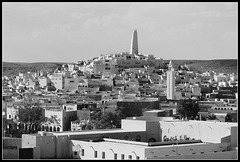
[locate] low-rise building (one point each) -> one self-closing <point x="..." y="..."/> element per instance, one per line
<point x="141" y="139"/>
<point x="135" y="107"/>
<point x="58" y="119"/>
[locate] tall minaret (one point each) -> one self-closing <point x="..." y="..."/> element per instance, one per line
<point x="170" y="81"/>
<point x="134" y="43"/>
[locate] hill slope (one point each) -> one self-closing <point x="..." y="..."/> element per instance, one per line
<point x="9" y="68"/>
<point x="220" y="66"/>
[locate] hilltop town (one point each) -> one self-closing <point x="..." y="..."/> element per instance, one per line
<point x="104" y="107"/>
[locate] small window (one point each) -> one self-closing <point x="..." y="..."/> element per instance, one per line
<point x="95" y="154"/>
<point x="126" y="137"/>
<point x="103" y="155"/>
<point x="115" y="156"/>
<point x="75" y="152"/>
<point x="130" y="157"/>
<point x="138" y="157"/>
<point x="122" y="156"/>
<point x="138" y="138"/>
<point x="82" y="152"/>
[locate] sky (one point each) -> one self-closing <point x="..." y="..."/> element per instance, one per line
<point x="70" y="32"/>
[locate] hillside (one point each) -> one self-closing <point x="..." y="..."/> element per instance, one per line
<point x="9" y="68"/>
<point x="219" y="66"/>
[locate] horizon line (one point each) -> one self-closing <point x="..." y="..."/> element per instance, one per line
<point x="86" y="60"/>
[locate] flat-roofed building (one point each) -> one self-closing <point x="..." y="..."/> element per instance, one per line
<point x="142" y="138"/>
<point x="135" y="107"/>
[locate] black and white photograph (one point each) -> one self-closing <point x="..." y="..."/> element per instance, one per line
<point x="120" y="80"/>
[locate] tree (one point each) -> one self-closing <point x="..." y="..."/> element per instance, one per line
<point x="107" y="120"/>
<point x="211" y="117"/>
<point x="231" y="117"/>
<point x="188" y="108"/>
<point x="31" y="113"/>
<point x="52" y="120"/>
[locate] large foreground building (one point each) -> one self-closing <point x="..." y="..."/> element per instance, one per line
<point x="139" y="138"/>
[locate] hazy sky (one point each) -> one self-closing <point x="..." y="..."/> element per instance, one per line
<point x="69" y="32"/>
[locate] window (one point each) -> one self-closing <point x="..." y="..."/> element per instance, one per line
<point x="138" y="138"/>
<point x="75" y="152"/>
<point x="115" y="156"/>
<point x="82" y="152"/>
<point x="152" y="140"/>
<point x="122" y="156"/>
<point x="95" y="154"/>
<point x="103" y="155"/>
<point x="130" y="157"/>
<point x="137" y="157"/>
<point x="126" y="137"/>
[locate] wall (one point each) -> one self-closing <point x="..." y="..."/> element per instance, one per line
<point x="153" y="131"/>
<point x="98" y="68"/>
<point x="62" y="146"/>
<point x="68" y="116"/>
<point x="129" y="124"/>
<point x="234" y="136"/>
<point x="36" y="152"/>
<point x="112" y="134"/>
<point x="43" y="82"/>
<point x="108" y="147"/>
<point x="10" y="152"/>
<point x="58" y="81"/>
<point x="28" y="141"/>
<point x="12" y="142"/>
<point x="184" y="149"/>
<point x="151" y="127"/>
<point x="205" y="130"/>
<point x="135" y="108"/>
<point x="214" y="156"/>
<point x="71" y="84"/>
<point x="47" y="146"/>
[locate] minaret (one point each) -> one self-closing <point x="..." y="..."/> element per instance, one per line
<point x="134" y="43"/>
<point x="170" y="82"/>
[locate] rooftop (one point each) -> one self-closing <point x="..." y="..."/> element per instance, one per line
<point x="87" y="132"/>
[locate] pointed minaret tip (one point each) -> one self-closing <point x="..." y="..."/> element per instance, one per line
<point x="170" y="65"/>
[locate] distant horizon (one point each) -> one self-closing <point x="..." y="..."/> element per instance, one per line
<point x="74" y="31"/>
<point x="86" y="60"/>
